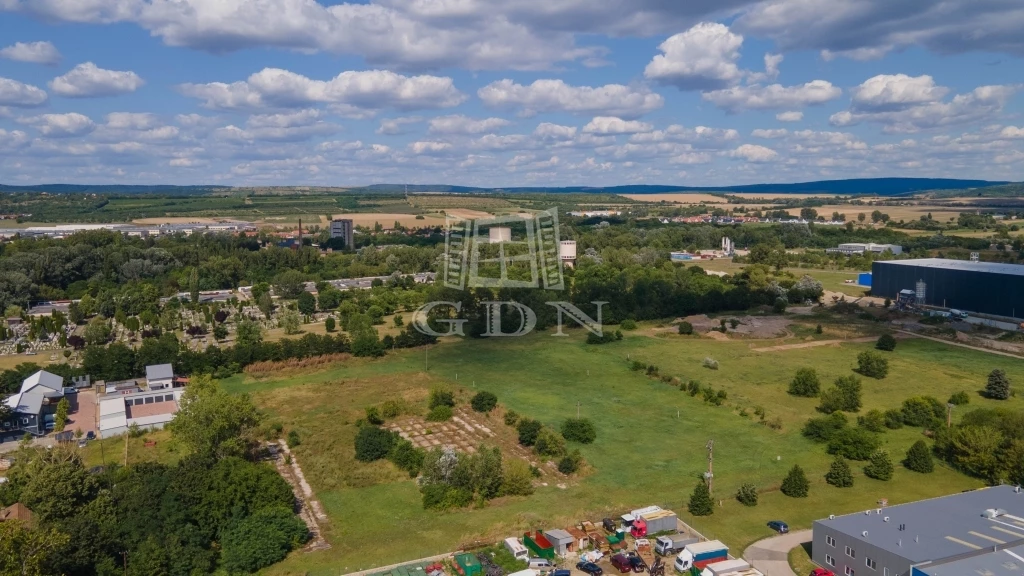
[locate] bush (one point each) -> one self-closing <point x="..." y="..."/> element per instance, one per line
<point x="779" y="306"/>
<point x="330" y="324"/>
<point x="872" y="365"/>
<point x="373" y="415"/>
<point x="795" y="485"/>
<point x="845" y="395"/>
<point x="853" y="443"/>
<point x="886" y="343"/>
<point x="822" y="429"/>
<point x="960" y="398"/>
<point x="919" y="458"/>
<point x="998" y="386"/>
<point x="261" y="540"/>
<point x="528" y="430"/>
<point x="293" y="439"/>
<point x="445" y="497"/>
<point x="805" y="383"/>
<point x="693" y="387"/>
<point x="440" y="413"/>
<point x="516" y="478"/>
<point x="407" y="457"/>
<point x="391" y="409"/>
<point x="441" y="397"/>
<point x="923" y="412"/>
<point x="700" y="501"/>
<point x="511" y="418"/>
<point x="893" y="419"/>
<point x="817" y="329"/>
<point x="872" y="421"/>
<point x="839" y="474"/>
<point x="628" y="324"/>
<point x="880" y="467"/>
<point x="549" y="443"/>
<point x="710" y="363"/>
<point x="685" y="328"/>
<point x="373" y="443"/>
<point x="637" y="366"/>
<point x="570" y="463"/>
<point x="580" y="430"/>
<point x="483" y="402"/>
<point x="747" y="495"/>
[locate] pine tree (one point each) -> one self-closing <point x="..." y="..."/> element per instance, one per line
<point x="700" y="501"/>
<point x="839" y="474"/>
<point x="919" y="458"/>
<point x="998" y="386"/>
<point x="747" y="495"/>
<point x="796" y="485"/>
<point x="880" y="466"/>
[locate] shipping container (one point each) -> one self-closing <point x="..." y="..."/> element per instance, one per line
<point x="537" y="543"/>
<point x="660" y="521"/>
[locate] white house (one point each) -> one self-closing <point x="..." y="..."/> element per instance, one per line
<point x="159" y="377"/>
<point x="37" y="392"/>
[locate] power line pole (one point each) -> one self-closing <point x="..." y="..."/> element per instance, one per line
<point x="711" y="465"/>
<point x="577" y="410"/>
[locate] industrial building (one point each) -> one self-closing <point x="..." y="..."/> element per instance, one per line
<point x="138" y="230"/>
<point x="567" y="252"/>
<point x="979" y="287"/>
<point x="893" y="540"/>
<point x="343" y="229"/>
<point x="855" y="248"/>
<point x="1000" y="560"/>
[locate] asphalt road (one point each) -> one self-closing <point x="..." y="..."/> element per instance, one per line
<point x="771" y="555"/>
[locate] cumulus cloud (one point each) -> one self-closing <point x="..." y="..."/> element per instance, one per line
<point x="429" y="147"/>
<point x="896" y="91"/>
<point x="549" y="131"/>
<point x="20" y="95"/>
<point x="773" y="97"/>
<point x="32" y="52"/>
<point x="791" y="116"/>
<point x="613" y="125"/>
<point x="395" y="126"/>
<point x="362" y="90"/>
<point x="702" y="58"/>
<point x="557" y="96"/>
<point x="88" y="81"/>
<point x="459" y="124"/>
<point x="1012" y="132"/>
<point x="12" y="140"/>
<point x="61" y="125"/>
<point x="295" y="126"/>
<point x="754" y="153"/>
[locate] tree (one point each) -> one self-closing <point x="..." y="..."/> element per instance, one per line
<point x="974" y="450"/>
<point x="886" y="343"/>
<point x="528" y="430"/>
<point x="262" y="539"/>
<point x="808" y="214"/>
<point x="25" y="550"/>
<point x="220" y="331"/>
<point x="441" y="397"/>
<point x="248" y="333"/>
<point x="306" y="303"/>
<point x="880" y="466"/>
<point x="959" y="398"/>
<point x="845" y="395"/>
<point x="839" y="474"/>
<point x="872" y="364"/>
<point x="805" y="383"/>
<point x="700" y="500"/>
<point x="193" y="285"/>
<point x="213" y="422"/>
<point x="747" y="495"/>
<point x="872" y="421"/>
<point x="289" y="284"/>
<point x="266" y="304"/>
<point x="860" y="217"/>
<point x="824" y="428"/>
<point x="516" y="478"/>
<point x="998" y="386"/>
<point x="290" y="321"/>
<point x="60" y="419"/>
<point x="329" y="324"/>
<point x="854" y="443"/>
<point x="919" y="458"/>
<point x="923" y="412"/>
<point x="484" y="401"/>
<point x="97" y="332"/>
<point x="75" y="314"/>
<point x="795" y="485"/>
<point x="373" y="443"/>
<point x="780" y="305"/>
<point x="329" y="298"/>
<point x="580" y="430"/>
<point x="685" y="328"/>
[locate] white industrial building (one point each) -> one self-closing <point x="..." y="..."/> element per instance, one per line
<point x="159" y="377"/>
<point x="859" y="249"/>
<point x="149" y="410"/>
<point x="567" y="252"/>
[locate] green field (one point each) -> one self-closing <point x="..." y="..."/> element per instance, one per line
<point x="651" y="442"/>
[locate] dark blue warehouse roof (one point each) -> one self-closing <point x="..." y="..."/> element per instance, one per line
<point x="962" y="265"/>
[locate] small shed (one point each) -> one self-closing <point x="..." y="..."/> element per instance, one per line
<point x="581" y="538"/>
<point x="467" y="564"/>
<point x="660" y="521"/>
<point x="562" y="541"/>
<point x="539" y="545"/>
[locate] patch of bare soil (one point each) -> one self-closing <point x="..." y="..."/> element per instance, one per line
<point x="814" y="344"/>
<point x="749" y="326"/>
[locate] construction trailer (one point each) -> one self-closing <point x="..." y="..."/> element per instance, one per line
<point x="537" y="543"/>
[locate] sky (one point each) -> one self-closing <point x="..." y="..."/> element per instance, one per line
<point x="509" y="92"/>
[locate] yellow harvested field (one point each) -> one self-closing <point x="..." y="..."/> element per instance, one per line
<point x="467" y="214"/>
<point x="369" y="219"/>
<point x="694" y="198"/>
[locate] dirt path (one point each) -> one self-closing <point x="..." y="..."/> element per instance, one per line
<point x="978" y="348"/>
<point x="311" y="512"/>
<point x="814" y="344"/>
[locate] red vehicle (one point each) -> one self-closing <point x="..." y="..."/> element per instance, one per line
<point x="622" y="563"/>
<point x="822" y="572"/>
<point x="638" y="529"/>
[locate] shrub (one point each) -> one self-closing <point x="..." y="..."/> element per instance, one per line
<point x="511" y="418"/>
<point x="693" y="387"/>
<point x="853" y="443"/>
<point x="262" y="539"/>
<point x="923" y="412"/>
<point x="873" y="421"/>
<point x="685" y="328"/>
<point x="441" y="397"/>
<point x="779" y="306"/>
<point x="805" y="383"/>
<point x="570" y="463"/>
<point x="483" y="402"/>
<point x="580" y="430"/>
<point x="822" y="429"/>
<point x="919" y="458"/>
<point x="747" y="495"/>
<point x="998" y="386"/>
<point x="440" y="413"/>
<point x="391" y="409"/>
<point x="516" y="478"/>
<point x="839" y="474"/>
<point x="872" y="365"/>
<point x="960" y="398"/>
<point x="893" y="419"/>
<point x="880" y="467"/>
<point x="293" y="439"/>
<point x="373" y="415"/>
<point x="445" y="497"/>
<point x="628" y="324"/>
<point x="795" y="485"/>
<point x="845" y="395"/>
<point x="637" y="366"/>
<point x="710" y="363"/>
<point x="330" y="324"/>
<point x="700" y="501"/>
<point x="407" y="457"/>
<point x="528" y="430"/>
<point x="817" y="329"/>
<point x="886" y="343"/>
<point x="549" y="443"/>
<point x="373" y="443"/>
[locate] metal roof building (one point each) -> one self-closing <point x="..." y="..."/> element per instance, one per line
<point x="981" y="287"/>
<point x="888" y="541"/>
<point x="1001" y="562"/>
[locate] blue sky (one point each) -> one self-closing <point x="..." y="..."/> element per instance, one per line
<point x="498" y="93"/>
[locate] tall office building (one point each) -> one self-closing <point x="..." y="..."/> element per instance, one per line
<point x="343" y="229"/>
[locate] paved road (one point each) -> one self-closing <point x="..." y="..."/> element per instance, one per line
<point x="771" y="555"/>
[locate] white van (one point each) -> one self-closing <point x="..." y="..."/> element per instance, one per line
<point x="541" y="564"/>
<point x="516" y="548"/>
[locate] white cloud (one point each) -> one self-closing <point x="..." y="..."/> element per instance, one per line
<point x="88" y="80"/>
<point x="429" y="147"/>
<point x="14" y="93"/>
<point x="613" y="125"/>
<point x="773" y="97"/>
<point x="61" y="125"/>
<point x="762" y="133"/>
<point x="557" y="96"/>
<point x="549" y="131"/>
<point x="362" y="90"/>
<point x="459" y="124"/>
<point x="32" y="52"/>
<point x="295" y="126"/>
<point x="702" y="58"/>
<point x="792" y="116"/>
<point x="12" y="140"/>
<point x="754" y="153"/>
<point x="897" y="91"/>
<point x="503" y="142"/>
<point x="396" y="126"/>
<point x="1012" y="132"/>
<point x="771" y="69"/>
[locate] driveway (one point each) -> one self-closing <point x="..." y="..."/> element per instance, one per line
<point x="771" y="555"/>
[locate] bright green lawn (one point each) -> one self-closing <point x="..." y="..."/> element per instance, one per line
<point x="644" y="454"/>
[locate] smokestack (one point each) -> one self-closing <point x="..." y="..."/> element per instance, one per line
<point x="300" y="231"/>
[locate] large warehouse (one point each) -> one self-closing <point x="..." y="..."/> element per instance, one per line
<point x="980" y="287"/>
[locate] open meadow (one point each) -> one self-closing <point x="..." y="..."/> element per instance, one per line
<point x="651" y="436"/>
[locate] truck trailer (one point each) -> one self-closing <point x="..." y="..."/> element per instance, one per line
<point x="701" y="554"/>
<point x="672" y="544"/>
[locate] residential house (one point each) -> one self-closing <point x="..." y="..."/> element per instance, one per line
<point x="159" y="376"/>
<point x="16" y="511"/>
<point x="37" y="399"/>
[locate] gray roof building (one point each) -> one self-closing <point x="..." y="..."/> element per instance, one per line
<point x="1002" y="562"/>
<point x="159" y="372"/>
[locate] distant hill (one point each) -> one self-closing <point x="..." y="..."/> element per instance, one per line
<point x="113" y="189"/>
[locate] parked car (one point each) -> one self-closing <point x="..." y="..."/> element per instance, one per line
<point x="541" y="564"/>
<point x="90" y="435"/>
<point x="82" y="443"/>
<point x="589" y="568"/>
<point x="622" y="563"/>
<point x="561" y="572"/>
<point x="637" y="564"/>
<point x="822" y="572"/>
<point x="779" y="526"/>
<point x="608" y="524"/>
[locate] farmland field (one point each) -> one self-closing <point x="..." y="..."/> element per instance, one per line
<point x="651" y="436"/>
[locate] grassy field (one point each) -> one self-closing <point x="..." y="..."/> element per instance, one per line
<point x="832" y="280"/>
<point x="651" y="437"/>
<point x="800" y="560"/>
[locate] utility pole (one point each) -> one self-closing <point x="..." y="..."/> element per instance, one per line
<point x="711" y="464"/>
<point x="949" y="415"/>
<point x="577" y="410"/>
<point x="426" y="359"/>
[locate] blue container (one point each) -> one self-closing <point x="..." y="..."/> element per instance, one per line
<point x="864" y="279"/>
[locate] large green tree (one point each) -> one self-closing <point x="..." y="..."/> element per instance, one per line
<point x="213" y="422"/>
<point x="796" y="485"/>
<point x="919" y="458"/>
<point x="700" y="500"/>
